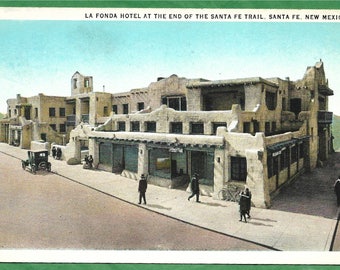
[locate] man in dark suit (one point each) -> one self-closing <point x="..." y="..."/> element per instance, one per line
<point x="195" y="188"/>
<point x="142" y="186"/>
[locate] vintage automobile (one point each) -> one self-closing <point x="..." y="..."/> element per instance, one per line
<point x="37" y="160"/>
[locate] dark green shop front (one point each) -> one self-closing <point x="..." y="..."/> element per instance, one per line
<point x="119" y="156"/>
<point x="176" y="163"/>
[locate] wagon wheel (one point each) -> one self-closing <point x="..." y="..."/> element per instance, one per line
<point x="23" y="165"/>
<point x="237" y="196"/>
<point x="222" y="194"/>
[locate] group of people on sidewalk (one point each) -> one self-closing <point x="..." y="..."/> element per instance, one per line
<point x="245" y="204"/>
<point x="56" y="152"/>
<point x="245" y="196"/>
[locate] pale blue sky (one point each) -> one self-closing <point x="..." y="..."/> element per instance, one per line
<point x="41" y="56"/>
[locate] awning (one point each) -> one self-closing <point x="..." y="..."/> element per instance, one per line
<point x="161" y="140"/>
<point x="275" y="149"/>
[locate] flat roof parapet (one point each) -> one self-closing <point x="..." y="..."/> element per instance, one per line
<point x="231" y="82"/>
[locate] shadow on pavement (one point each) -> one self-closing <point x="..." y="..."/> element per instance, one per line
<point x="263" y="219"/>
<point x="213" y="204"/>
<point x="159" y="206"/>
<point x="251" y="222"/>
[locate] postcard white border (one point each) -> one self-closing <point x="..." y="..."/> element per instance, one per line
<point x="159" y="14"/>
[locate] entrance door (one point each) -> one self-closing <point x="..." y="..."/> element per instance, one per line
<point x="202" y="162"/>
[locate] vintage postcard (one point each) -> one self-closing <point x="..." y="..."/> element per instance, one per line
<point x="167" y="135"/>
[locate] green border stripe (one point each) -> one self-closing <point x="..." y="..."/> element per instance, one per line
<point x="59" y="266"/>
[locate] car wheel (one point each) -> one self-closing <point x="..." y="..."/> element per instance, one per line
<point x="34" y="169"/>
<point x="42" y="165"/>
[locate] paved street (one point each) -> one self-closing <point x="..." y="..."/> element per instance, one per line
<point x="296" y="222"/>
<point x="48" y="211"/>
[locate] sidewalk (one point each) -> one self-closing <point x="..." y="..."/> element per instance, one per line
<point x="281" y="230"/>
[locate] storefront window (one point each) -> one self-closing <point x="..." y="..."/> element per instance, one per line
<point x="202" y="162"/>
<point x="160" y="163"/>
<point x="131" y="158"/>
<point x="105" y="149"/>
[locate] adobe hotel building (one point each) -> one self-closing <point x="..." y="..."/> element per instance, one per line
<point x="256" y="132"/>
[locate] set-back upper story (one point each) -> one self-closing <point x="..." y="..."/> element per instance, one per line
<point x="184" y="94"/>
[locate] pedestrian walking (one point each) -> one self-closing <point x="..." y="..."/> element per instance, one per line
<point x="248" y="195"/>
<point x="54" y="152"/>
<point x="195" y="188"/>
<point x="243" y="206"/>
<point x="337" y="190"/>
<point x="142" y="186"/>
<point x="58" y="156"/>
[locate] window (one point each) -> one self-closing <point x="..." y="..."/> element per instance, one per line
<point x="301" y="150"/>
<point x="125" y="108"/>
<point x="52" y="112"/>
<point x="74" y="83"/>
<point x="131" y="158"/>
<point x="54" y="127"/>
<point x="27" y="112"/>
<point x="238" y="168"/>
<point x="270" y="165"/>
<point x="270" y="100"/>
<point x="293" y="154"/>
<point x="87" y="82"/>
<point x="150" y="126"/>
<point x="246" y="127"/>
<point x="284" y="159"/>
<point x="267" y="128"/>
<point x="140" y="106"/>
<point x="256" y="126"/>
<point x="273" y="127"/>
<point x="178" y="103"/>
<point x="62" y="128"/>
<point x="105" y="111"/>
<point x="62" y="112"/>
<point x="121" y="126"/>
<point x="160" y="163"/>
<point x="284" y="105"/>
<point x="216" y="125"/>
<point x="196" y="128"/>
<point x="43" y="136"/>
<point x="105" y="153"/>
<point x="176" y="127"/>
<point x="115" y="109"/>
<point x="202" y="162"/>
<point x="36" y="115"/>
<point x="135" y="126"/>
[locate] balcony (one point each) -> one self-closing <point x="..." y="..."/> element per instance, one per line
<point x="325" y="117"/>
